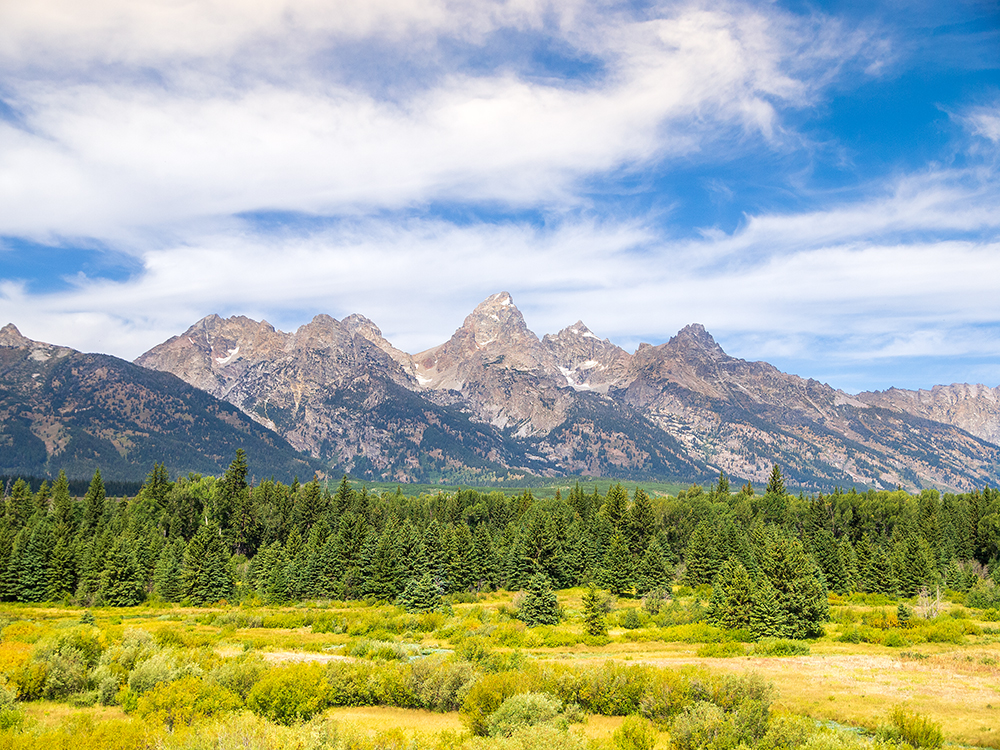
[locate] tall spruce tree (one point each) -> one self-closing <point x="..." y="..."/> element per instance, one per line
<point x="732" y="602"/>
<point x="205" y="575"/>
<point x="539" y="605"/>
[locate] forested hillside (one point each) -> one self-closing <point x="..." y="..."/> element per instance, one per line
<point x="772" y="556"/>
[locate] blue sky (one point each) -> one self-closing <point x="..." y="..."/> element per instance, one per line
<point x="817" y="183"/>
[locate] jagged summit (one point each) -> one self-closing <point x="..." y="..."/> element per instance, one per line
<point x="10" y="336"/>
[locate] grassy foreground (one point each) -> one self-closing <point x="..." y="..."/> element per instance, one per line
<point x="351" y="675"/>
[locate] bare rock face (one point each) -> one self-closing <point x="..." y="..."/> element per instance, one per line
<point x="336" y="390"/>
<point x="586" y="361"/>
<point x="971" y="407"/>
<point x="505" y="376"/>
<point x="744" y="416"/>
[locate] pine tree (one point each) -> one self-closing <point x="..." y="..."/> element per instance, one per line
<point x="775" y="483"/>
<point x="539" y="605"/>
<point x="652" y="572"/>
<point x="93" y="503"/>
<point x="616" y="568"/>
<point x="123" y="581"/>
<point x="33" y="562"/>
<point x="461" y="559"/>
<point x="701" y="559"/>
<point x="722" y="487"/>
<point x="767" y="619"/>
<point x="593" y="613"/>
<point x="799" y="586"/>
<point x="167" y="574"/>
<point x="420" y="595"/>
<point x="205" y="575"/>
<point x="615" y="506"/>
<point x="62" y="564"/>
<point x="825" y="552"/>
<point x="62" y="505"/>
<point x="849" y="564"/>
<point x="486" y="562"/>
<point x="20" y="504"/>
<point x="641" y="523"/>
<point x="732" y="600"/>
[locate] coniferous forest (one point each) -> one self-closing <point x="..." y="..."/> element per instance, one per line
<point x="771" y="558"/>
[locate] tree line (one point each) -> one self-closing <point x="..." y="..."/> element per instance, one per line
<point x="771" y="558"/>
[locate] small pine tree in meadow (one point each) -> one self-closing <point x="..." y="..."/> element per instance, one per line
<point x="539" y="605"/>
<point x="420" y="594"/>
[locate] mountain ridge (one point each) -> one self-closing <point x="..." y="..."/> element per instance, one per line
<point x="572" y="402"/>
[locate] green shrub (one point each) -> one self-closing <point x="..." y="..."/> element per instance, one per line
<point x="158" y="668"/>
<point x="289" y="694"/>
<point x="185" y="700"/>
<point x="722" y="650"/>
<point x="630" y="619"/>
<point x="913" y="729"/>
<point x="523" y="710"/>
<point x="485" y="696"/>
<point x="239" y="675"/>
<point x="439" y="684"/>
<point x="635" y="733"/>
<point x="669" y="692"/>
<point x="779" y="647"/>
<point x="702" y="725"/>
<point x="788" y="732"/>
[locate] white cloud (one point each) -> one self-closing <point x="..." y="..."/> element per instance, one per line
<point x="117" y="153"/>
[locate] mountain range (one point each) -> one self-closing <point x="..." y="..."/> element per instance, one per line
<point x="497" y="403"/>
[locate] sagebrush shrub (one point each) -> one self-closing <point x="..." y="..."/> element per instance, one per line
<point x="523" y="710"/>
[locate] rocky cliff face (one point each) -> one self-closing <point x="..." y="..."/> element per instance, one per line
<point x="496" y="399"/>
<point x="744" y="416"/>
<point x="586" y="361"/>
<point x="61" y="409"/>
<point x="338" y="391"/>
<point x="973" y="408"/>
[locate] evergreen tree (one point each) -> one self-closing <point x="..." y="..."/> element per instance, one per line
<point x="34" y="558"/>
<point x="486" y="562"/>
<point x="616" y="568"/>
<point x="381" y="575"/>
<point x="593" y="613"/>
<point x="652" y="572"/>
<point x="205" y="575"/>
<point x="849" y="564"/>
<point x="722" y="487"/>
<point x="62" y="563"/>
<point x="539" y="605"/>
<point x="420" y="595"/>
<point x="61" y="506"/>
<point x="123" y="582"/>
<point x="167" y="574"/>
<point x="775" y="483"/>
<point x="615" y="506"/>
<point x="641" y="523"/>
<point x="767" y="619"/>
<point x="701" y="560"/>
<point x="826" y="554"/>
<point x="20" y="505"/>
<point x="732" y="600"/>
<point x="799" y="586"/>
<point x="93" y="503"/>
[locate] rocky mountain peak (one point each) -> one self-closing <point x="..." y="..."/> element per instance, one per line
<point x="586" y="361"/>
<point x="496" y="318"/>
<point x="694" y="338"/>
<point x="359" y="325"/>
<point x="10" y="336"/>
